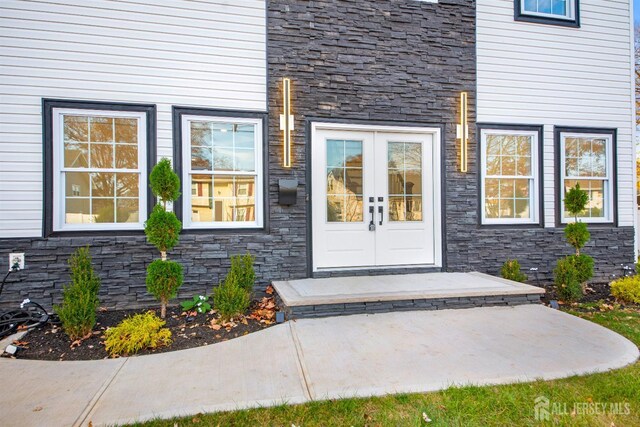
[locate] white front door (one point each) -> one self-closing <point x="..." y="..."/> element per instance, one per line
<point x="375" y="198"/>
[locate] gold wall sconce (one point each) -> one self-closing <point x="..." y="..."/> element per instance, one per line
<point x="463" y="131"/>
<point x="286" y="122"/>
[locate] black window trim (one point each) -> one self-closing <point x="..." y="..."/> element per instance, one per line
<point x="177" y="113"/>
<point x="516" y="127"/>
<point x="524" y="17"/>
<point x="48" y="105"/>
<point x="557" y="136"/>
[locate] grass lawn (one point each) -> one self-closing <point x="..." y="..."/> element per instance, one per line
<point x="467" y="406"/>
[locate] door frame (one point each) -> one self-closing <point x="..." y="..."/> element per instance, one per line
<point x="437" y="131"/>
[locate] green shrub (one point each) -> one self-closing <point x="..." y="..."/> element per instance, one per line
<point x="163" y="229"/>
<point x="627" y="289"/>
<point x="242" y="271"/>
<point x="575" y="201"/>
<point x="583" y="265"/>
<point x="511" y="270"/>
<point x="80" y="298"/>
<point x="230" y="300"/>
<point x="164" y="278"/>
<point x="137" y="333"/>
<point x="164" y="182"/>
<point x="577" y="235"/>
<point x="567" y="281"/>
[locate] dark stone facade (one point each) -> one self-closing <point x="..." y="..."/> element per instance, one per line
<point x="326" y="310"/>
<point x="385" y="61"/>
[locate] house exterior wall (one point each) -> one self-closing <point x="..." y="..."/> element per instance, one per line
<point x="395" y="62"/>
<point x="561" y="76"/>
<point x="551" y="75"/>
<point x="166" y="53"/>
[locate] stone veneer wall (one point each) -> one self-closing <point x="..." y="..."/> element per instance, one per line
<point x="381" y="61"/>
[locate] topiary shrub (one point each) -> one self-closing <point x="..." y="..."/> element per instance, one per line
<point x="577" y="235"/>
<point x="575" y="201"/>
<point x="230" y="300"/>
<point x="164" y="278"/>
<point x="627" y="289"/>
<point x="242" y="271"/>
<point x="511" y="270"/>
<point x="137" y="333"/>
<point x="568" y="285"/>
<point x="80" y="298"/>
<point x="163" y="230"/>
<point x="164" y="182"/>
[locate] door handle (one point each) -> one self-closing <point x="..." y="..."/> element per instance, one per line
<point x="372" y="223"/>
<point x="381" y="212"/>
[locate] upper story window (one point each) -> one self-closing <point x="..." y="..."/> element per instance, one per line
<point x="510" y="176"/>
<point x="587" y="158"/>
<point x="96" y="164"/>
<point x="222" y="168"/>
<point x="559" y="12"/>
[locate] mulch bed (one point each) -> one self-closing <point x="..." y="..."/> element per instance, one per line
<point x="51" y="343"/>
<point x="595" y="292"/>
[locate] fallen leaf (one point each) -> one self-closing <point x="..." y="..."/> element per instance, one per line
<point x="21" y="343"/>
<point x="76" y="343"/>
<point x="215" y="327"/>
<point x="426" y="418"/>
<point x="269" y="290"/>
<point x="37" y="409"/>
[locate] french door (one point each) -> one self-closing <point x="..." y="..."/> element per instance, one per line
<point x="374" y="198"/>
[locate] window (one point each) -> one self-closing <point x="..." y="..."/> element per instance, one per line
<point x="559" y="12"/>
<point x="587" y="159"/>
<point x="222" y="165"/>
<point x="96" y="166"/>
<point x="509" y="175"/>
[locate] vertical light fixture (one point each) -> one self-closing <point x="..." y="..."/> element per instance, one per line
<point x="463" y="131"/>
<point x="286" y="122"/>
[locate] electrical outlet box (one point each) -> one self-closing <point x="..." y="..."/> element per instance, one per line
<point x="16" y="258"/>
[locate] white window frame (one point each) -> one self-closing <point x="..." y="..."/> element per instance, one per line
<point x="187" y="172"/>
<point x="534" y="190"/>
<point x="608" y="198"/>
<point x="570" y="16"/>
<point x="59" y="169"/>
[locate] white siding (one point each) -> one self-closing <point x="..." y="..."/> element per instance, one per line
<point x="551" y="75"/>
<point x="206" y="53"/>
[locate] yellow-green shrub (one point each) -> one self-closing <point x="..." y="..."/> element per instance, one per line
<point x="627" y="289"/>
<point x="137" y="333"/>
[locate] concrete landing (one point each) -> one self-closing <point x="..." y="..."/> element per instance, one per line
<point x="428" y="291"/>
<point x="314" y="359"/>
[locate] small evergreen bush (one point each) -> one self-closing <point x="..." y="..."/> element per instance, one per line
<point x="80" y="298"/>
<point x="511" y="270"/>
<point x="627" y="289"/>
<point x="567" y="281"/>
<point x="577" y="235"/>
<point x="583" y="264"/>
<point x="242" y="271"/>
<point x="163" y="230"/>
<point x="230" y="300"/>
<point x="137" y="333"/>
<point x="164" y="278"/>
<point x="164" y="182"/>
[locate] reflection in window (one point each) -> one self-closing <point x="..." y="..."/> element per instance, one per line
<point x="344" y="181"/>
<point x="100" y="169"/>
<point x="563" y="9"/>
<point x="223" y="173"/>
<point x="585" y="163"/>
<point x="405" y="181"/>
<point x="508" y="178"/>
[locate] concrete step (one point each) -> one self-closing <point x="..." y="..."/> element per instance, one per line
<point x="337" y="296"/>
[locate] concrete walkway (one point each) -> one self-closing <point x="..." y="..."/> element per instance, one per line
<point x="311" y="359"/>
